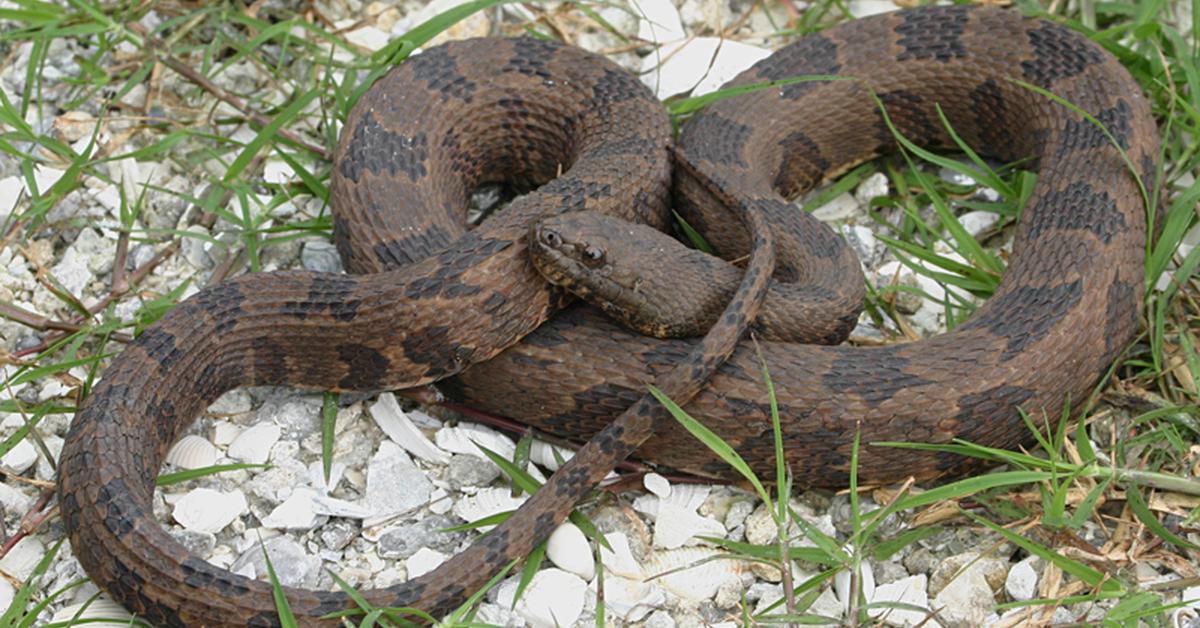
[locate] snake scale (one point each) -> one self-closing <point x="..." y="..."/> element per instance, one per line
<point x="435" y="298"/>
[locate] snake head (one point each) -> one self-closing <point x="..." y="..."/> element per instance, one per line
<point x="599" y="258"/>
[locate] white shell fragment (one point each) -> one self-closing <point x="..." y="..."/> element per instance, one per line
<point x="208" y="510"/>
<point x="547" y="455"/>
<point x="677" y="525"/>
<point x="91" y="613"/>
<point x="693" y="573"/>
<point x="487" y="502"/>
<point x="192" y="452"/>
<point x="553" y="598"/>
<point x="398" y="427"/>
<point x="467" y="437"/>
<point x="423" y="562"/>
<point x="297" y="512"/>
<point x="254" y="444"/>
<point x="658" y="20"/>
<point x="699" y="65"/>
<point x="657" y="484"/>
<point x="568" y="548"/>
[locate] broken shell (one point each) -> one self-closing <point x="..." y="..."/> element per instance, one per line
<point x="568" y="548"/>
<point x="693" y="573"/>
<point x="398" y="427"/>
<point x="487" y="502"/>
<point x="254" y="444"/>
<point x="192" y="452"/>
<point x="206" y="510"/>
<point x="657" y="484"/>
<point x="466" y="438"/>
<point x="676" y="525"/>
<point x="547" y="455"/>
<point x="91" y="614"/>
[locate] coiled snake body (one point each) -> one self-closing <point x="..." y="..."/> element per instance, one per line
<point x="467" y="112"/>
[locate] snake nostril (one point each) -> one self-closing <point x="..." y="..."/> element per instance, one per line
<point x="551" y="238"/>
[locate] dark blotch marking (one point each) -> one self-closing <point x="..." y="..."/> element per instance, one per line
<point x="159" y="344"/>
<point x="365" y="367"/>
<point x="1083" y="134"/>
<point x="433" y="347"/>
<point x="330" y="293"/>
<point x="1120" y="316"/>
<point x="1059" y="53"/>
<point x="993" y="119"/>
<point x="438" y="69"/>
<point x="804" y="164"/>
<point x="405" y="593"/>
<point x="813" y="55"/>
<point x="1079" y="206"/>
<point x="223" y="303"/>
<point x="935" y="33"/>
<point x="571" y="482"/>
<point x="412" y="248"/>
<point x="265" y="619"/>
<point x="979" y="411"/>
<point x="910" y="114"/>
<point x="376" y="150"/>
<point x="1025" y="315"/>
<point x="117" y="502"/>
<point x="876" y="378"/>
<point x="716" y="139"/>
<point x="616" y="86"/>
<point x="531" y="57"/>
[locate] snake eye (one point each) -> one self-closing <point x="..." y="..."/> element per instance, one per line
<point x="593" y="256"/>
<point x="551" y="238"/>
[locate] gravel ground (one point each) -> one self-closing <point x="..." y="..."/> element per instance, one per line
<point x="402" y="474"/>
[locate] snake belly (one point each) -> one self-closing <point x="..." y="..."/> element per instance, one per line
<point x="439" y="125"/>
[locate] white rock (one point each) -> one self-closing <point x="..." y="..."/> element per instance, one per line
<point x="910" y="591"/>
<point x="840" y="207"/>
<point x="967" y="600"/>
<point x="553" y="598"/>
<point x="316" y="475"/>
<point x="7" y="593"/>
<point x="90" y="613"/>
<point x="254" y="444"/>
<point x="13" y="499"/>
<point x="423" y="562"/>
<point x="699" y="65"/>
<point x="21" y="457"/>
<point x="842" y="582"/>
<point x="568" y="548"/>
<point x="977" y="222"/>
<point x="192" y="452"/>
<point x="398" y="427"/>
<point x="658" y="20"/>
<point x="676" y="525"/>
<point x="1022" y="580"/>
<point x="657" y="484"/>
<point x="873" y="186"/>
<point x="278" y="171"/>
<point x="487" y="502"/>
<point x="10" y="191"/>
<point x="297" y="512"/>
<point x="863" y="8"/>
<point x="46" y="177"/>
<point x="394" y="484"/>
<point x="22" y="558"/>
<point x="208" y="510"/>
<point x="333" y="507"/>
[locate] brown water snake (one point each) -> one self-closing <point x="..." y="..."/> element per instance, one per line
<point x="1067" y="305"/>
